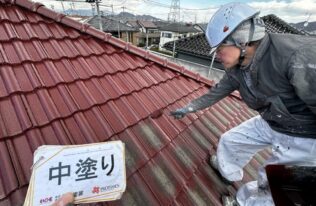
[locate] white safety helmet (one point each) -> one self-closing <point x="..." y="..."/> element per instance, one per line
<point x="235" y="24"/>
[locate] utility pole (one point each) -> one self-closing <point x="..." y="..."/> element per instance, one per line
<point x="99" y="15"/>
<point x="71" y="9"/>
<point x="62" y="4"/>
<point x="146" y="39"/>
<point x="93" y="9"/>
<point x="73" y="5"/>
<point x="123" y="7"/>
<point x="97" y="2"/>
<point x="174" y="16"/>
<point x="118" y="22"/>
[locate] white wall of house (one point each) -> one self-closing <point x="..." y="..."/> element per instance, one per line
<point x="146" y="30"/>
<point x="142" y="29"/>
<point x="167" y="36"/>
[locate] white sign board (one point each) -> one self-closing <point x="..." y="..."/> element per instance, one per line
<point x="93" y="172"/>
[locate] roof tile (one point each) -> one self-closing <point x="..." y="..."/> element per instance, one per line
<point x="11" y="14"/>
<point x="39" y="30"/>
<point x="11" y="53"/>
<point x="21" y="159"/>
<point x="152" y="139"/>
<point x="65" y="70"/>
<point x="10" y="118"/>
<point x="183" y="156"/>
<point x="196" y="149"/>
<point x="59" y="100"/>
<point x="136" y="155"/>
<point x="73" y="128"/>
<point x="125" y="109"/>
<point x="4" y="36"/>
<point x="101" y="127"/>
<point x="8" y="177"/>
<point x="135" y="103"/>
<point x="197" y="192"/>
<point x="80" y="99"/>
<point x="36" y="109"/>
<point x="139" y="194"/>
<point x="110" y="110"/>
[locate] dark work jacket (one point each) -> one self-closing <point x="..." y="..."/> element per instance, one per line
<point x="283" y="84"/>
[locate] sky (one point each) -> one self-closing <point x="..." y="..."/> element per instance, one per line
<point x="195" y="11"/>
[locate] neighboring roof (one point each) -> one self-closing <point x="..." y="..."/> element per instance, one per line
<point x="276" y="25"/>
<point x="180" y="28"/>
<point x="306" y="26"/>
<point x="79" y="18"/>
<point x="110" y="25"/>
<point x="156" y="24"/>
<point x="197" y="45"/>
<point x="133" y="24"/>
<point x="147" y="24"/>
<point x="201" y="27"/>
<point x="63" y="82"/>
<point x="160" y="24"/>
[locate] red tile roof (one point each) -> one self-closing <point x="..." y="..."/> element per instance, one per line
<point x="63" y="82"/>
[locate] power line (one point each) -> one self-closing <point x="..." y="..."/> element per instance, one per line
<point x="168" y="6"/>
<point x="156" y="3"/>
<point x="114" y="5"/>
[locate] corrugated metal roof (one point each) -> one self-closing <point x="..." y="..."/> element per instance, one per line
<point x="63" y="82"/>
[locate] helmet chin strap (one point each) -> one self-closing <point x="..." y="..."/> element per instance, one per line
<point x="242" y="53"/>
<point x="242" y="47"/>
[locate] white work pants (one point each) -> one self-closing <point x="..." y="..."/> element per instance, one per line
<point x="238" y="145"/>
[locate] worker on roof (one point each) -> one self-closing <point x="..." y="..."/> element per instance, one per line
<point x="274" y="74"/>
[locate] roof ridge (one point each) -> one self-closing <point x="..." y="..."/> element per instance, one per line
<point x="85" y="28"/>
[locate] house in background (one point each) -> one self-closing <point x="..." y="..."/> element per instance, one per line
<point x="63" y="82"/>
<point x="133" y="23"/>
<point x="161" y="24"/>
<point x="175" y="31"/>
<point x="116" y="28"/>
<point x="196" y="48"/>
<point x="148" y="32"/>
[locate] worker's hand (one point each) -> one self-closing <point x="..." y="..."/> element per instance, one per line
<point x="66" y="200"/>
<point x="179" y="113"/>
